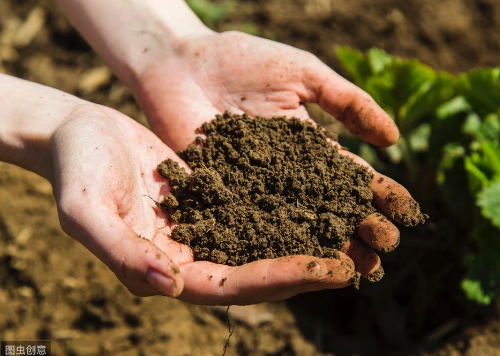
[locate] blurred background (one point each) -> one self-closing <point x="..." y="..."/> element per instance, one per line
<point x="51" y="288"/>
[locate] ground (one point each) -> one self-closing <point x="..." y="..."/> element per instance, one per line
<point x="52" y="288"/>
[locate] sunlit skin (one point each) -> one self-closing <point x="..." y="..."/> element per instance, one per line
<point x="245" y="74"/>
<point x="103" y="165"/>
<point x="241" y="73"/>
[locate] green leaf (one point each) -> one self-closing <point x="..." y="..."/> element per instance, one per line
<point x="395" y="152"/>
<point x="489" y="202"/>
<point x="401" y="81"/>
<point x="472" y="125"/>
<point x="474" y="292"/>
<point x="452" y="152"/>
<point x="419" y="138"/>
<point x="410" y="76"/>
<point x="211" y="13"/>
<point x="378" y="60"/>
<point x="248" y="27"/>
<point x="481" y="88"/>
<point x="429" y="97"/>
<point x="355" y="63"/>
<point x="486" y="129"/>
<point x="491" y="161"/>
<point x="482" y="281"/>
<point x="477" y="179"/>
<point x="453" y="183"/>
<point x="381" y="88"/>
<point x="406" y="89"/>
<point x="452" y="107"/>
<point x="486" y="157"/>
<point x="491" y="127"/>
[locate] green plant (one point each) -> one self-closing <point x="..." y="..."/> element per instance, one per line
<point x="211" y="13"/>
<point x="450" y="129"/>
<point x="481" y="89"/>
<point x="406" y="89"/>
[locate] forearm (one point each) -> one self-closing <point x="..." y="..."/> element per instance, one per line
<point x="30" y="114"/>
<point x="132" y="35"/>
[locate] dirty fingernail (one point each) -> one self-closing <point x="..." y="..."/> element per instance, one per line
<point x="355" y="280"/>
<point x="164" y="284"/>
<point x="392" y="248"/>
<point x="377" y="275"/>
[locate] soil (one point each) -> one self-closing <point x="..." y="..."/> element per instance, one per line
<point x="75" y="301"/>
<point x="265" y="188"/>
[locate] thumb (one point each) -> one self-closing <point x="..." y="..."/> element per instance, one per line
<point x="355" y="108"/>
<point x="141" y="266"/>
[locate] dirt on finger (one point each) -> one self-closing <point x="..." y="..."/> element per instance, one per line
<point x="265" y="188"/>
<point x="396" y="202"/>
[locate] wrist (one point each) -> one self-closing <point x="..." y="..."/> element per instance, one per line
<point x="139" y="34"/>
<point x="31" y="114"/>
<point x="168" y="52"/>
<point x="163" y="44"/>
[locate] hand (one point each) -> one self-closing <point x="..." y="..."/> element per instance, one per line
<point x="211" y="73"/>
<point x="105" y="182"/>
<point x="232" y="71"/>
<point x="183" y="74"/>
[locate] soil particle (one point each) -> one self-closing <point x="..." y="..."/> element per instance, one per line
<point x="264" y="188"/>
<point x="355" y="280"/>
<point x="405" y="210"/>
<point x="377" y="275"/>
<point x="311" y="265"/>
<point x="222" y="281"/>
<point x="392" y="248"/>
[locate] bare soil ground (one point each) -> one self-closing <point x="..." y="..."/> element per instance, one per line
<point x="52" y="288"/>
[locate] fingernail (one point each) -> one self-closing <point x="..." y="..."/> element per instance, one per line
<point x="164" y="284"/>
<point x="392" y="248"/>
<point x="377" y="275"/>
<point x="355" y="280"/>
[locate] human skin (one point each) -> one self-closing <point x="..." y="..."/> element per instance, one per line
<point x="102" y="167"/>
<point x="183" y="74"/>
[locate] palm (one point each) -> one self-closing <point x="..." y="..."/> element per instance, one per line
<point x="106" y="172"/>
<point x="106" y="187"/>
<point x="241" y="73"/>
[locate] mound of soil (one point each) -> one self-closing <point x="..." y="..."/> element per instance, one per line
<point x="265" y="188"/>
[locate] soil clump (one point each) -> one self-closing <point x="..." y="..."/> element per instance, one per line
<point x="265" y="188"/>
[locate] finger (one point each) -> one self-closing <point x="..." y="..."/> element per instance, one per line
<point x="391" y="197"/>
<point x="264" y="280"/>
<point x="378" y="232"/>
<point x="272" y="109"/>
<point x="365" y="259"/>
<point x="395" y="201"/>
<point x="349" y="104"/>
<point x="141" y="266"/>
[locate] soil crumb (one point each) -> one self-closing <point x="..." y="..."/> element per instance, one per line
<point x="377" y="275"/>
<point x="356" y="280"/>
<point x="264" y="188"/>
<point x="405" y="210"/>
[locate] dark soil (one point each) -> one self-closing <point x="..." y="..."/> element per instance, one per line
<point x="265" y="188"/>
<point x="78" y="303"/>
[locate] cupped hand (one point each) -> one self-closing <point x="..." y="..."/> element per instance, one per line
<point x="242" y="73"/>
<point x="106" y="185"/>
<point x="233" y="71"/>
